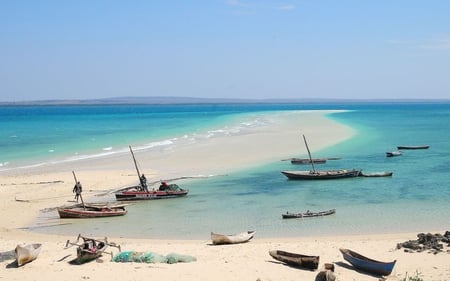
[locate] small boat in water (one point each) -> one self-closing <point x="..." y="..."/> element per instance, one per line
<point x="366" y="264"/>
<point x="95" y="210"/>
<point x="376" y="174"/>
<point x="321" y="175"/>
<point x="220" y="239"/>
<point x="405" y="147"/>
<point x="308" y="214"/>
<point x="28" y="253"/>
<point x="296" y="260"/>
<point x="393" y="153"/>
<point x="308" y="161"/>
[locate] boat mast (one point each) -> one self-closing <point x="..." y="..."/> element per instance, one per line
<point x="135" y="164"/>
<point x="309" y="153"/>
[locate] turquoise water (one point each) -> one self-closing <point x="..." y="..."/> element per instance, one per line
<point x="414" y="199"/>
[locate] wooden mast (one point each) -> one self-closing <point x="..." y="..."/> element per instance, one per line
<point x="76" y="182"/>
<point x="309" y="153"/>
<point x="135" y="164"/>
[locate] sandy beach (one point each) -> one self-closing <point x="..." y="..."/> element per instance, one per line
<point x="25" y="192"/>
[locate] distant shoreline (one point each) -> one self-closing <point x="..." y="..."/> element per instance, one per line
<point x="193" y="100"/>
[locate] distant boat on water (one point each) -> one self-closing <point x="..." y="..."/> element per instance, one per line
<point x="319" y="175"/>
<point x="376" y="174"/>
<point x="307" y="214"/>
<point x="393" y="153"/>
<point x="413" y="147"/>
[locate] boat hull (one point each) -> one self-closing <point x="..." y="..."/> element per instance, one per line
<point x="136" y="194"/>
<point x="413" y="147"/>
<point x="296" y="260"/>
<point x="366" y="264"/>
<point x="28" y="253"/>
<point x="321" y="175"/>
<point x="308" y="214"/>
<point x="79" y="213"/>
<point x="221" y="239"/>
<point x="308" y="161"/>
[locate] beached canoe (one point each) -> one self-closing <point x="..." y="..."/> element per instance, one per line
<point x="220" y="239"/>
<point x="28" y="253"/>
<point x="321" y="175"/>
<point x="308" y="214"/>
<point x="413" y="147"/>
<point x="91" y="211"/>
<point x="89" y="249"/>
<point x="366" y="264"/>
<point x="296" y="260"/>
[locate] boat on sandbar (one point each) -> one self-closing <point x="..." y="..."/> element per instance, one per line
<point x="27" y="253"/>
<point x="366" y="264"/>
<point x="221" y="239"/>
<point x="296" y="260"/>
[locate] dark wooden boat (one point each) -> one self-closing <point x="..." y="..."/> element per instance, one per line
<point x="404" y="147"/>
<point x="308" y="161"/>
<point x="27" y="253"/>
<point x="140" y="192"/>
<point x="221" y="239"/>
<point x="90" y="249"/>
<point x="308" y="214"/>
<point x="393" y="153"/>
<point x="135" y="193"/>
<point x="91" y="211"/>
<point x="366" y="264"/>
<point x="321" y="175"/>
<point x="296" y="260"/>
<point x="376" y="174"/>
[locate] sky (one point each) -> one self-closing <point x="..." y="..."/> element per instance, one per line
<point x="257" y="49"/>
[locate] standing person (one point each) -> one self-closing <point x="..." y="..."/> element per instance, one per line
<point x="77" y="190"/>
<point x="143" y="180"/>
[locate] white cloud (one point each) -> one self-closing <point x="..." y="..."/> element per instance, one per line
<point x="286" y="7"/>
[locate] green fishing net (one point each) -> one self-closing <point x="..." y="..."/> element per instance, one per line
<point x="150" y="257"/>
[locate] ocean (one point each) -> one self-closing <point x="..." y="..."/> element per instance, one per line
<point x="414" y="199"/>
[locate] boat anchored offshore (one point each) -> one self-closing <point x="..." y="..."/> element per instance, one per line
<point x="308" y="214"/>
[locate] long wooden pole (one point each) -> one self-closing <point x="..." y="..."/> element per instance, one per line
<point x="76" y="182"/>
<point x="135" y="164"/>
<point x="309" y="153"/>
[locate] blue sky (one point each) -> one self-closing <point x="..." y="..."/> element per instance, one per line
<point x="224" y="48"/>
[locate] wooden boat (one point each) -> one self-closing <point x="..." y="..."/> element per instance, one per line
<point x="308" y="161"/>
<point x="366" y="264"/>
<point x="91" y="210"/>
<point x="393" y="153"/>
<point x="308" y="214"/>
<point x="28" y="253"/>
<point x="90" y="249"/>
<point x="135" y="193"/>
<point x="321" y="175"/>
<point x="220" y="239"/>
<point x="141" y="192"/>
<point x="404" y="147"/>
<point x="296" y="260"/>
<point x="376" y="174"/>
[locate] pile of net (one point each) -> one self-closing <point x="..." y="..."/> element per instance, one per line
<point x="150" y="257"/>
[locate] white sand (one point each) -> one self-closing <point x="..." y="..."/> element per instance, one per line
<point x="50" y="186"/>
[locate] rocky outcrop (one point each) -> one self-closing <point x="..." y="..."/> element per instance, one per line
<point x="433" y="243"/>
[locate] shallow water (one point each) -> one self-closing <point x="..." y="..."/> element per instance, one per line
<point x="414" y="199"/>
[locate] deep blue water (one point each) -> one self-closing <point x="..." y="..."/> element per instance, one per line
<point x="414" y="199"/>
